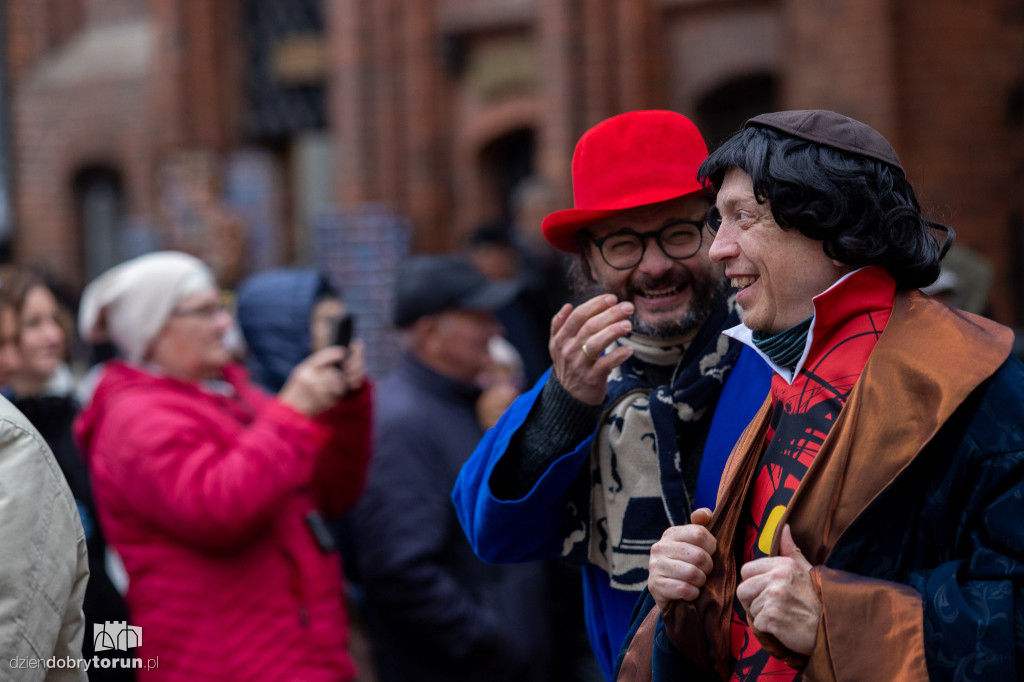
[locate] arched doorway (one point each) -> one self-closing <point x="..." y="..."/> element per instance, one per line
<point x="504" y="163"/>
<point x="99" y="206"/>
<point x="723" y="110"/>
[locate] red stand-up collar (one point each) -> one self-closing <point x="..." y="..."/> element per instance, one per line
<point x="856" y="295"/>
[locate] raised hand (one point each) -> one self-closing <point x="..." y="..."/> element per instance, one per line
<point x="316" y="383"/>
<point x="578" y="335"/>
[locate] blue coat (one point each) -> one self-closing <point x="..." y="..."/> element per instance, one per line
<point x="529" y="528"/>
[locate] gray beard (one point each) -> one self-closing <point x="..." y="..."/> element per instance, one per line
<point x="706" y="295"/>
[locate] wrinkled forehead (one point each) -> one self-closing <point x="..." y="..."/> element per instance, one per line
<point x="653" y="216"/>
<point x="737" y="186"/>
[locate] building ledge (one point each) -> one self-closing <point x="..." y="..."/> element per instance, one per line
<point x="112" y="52"/>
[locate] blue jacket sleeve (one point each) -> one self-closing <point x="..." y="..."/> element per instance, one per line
<point x="527" y="529"/>
<point x="742" y="395"/>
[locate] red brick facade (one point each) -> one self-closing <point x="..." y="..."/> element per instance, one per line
<point x="428" y="101"/>
<point x="116" y="85"/>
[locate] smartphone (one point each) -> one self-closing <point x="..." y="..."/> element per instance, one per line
<point x="341" y="331"/>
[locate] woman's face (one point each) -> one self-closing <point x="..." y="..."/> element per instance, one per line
<point x="41" y="340"/>
<point x="325" y="312"/>
<point x="10" y="357"/>
<point x="191" y="343"/>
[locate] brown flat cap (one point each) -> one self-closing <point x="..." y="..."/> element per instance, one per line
<point x="832" y="130"/>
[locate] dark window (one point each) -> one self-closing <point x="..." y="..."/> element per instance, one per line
<point x="724" y="110"/>
<point x="285" y="75"/>
<point x="505" y="162"/>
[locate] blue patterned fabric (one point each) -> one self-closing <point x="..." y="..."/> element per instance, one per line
<point x="784" y="348"/>
<point x="952" y="527"/>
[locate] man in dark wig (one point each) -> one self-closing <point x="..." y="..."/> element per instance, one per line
<point x="868" y="524"/>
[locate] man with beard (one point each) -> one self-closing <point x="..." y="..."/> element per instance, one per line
<point x="623" y="437"/>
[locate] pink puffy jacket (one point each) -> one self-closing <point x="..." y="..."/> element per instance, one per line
<point x="205" y="497"/>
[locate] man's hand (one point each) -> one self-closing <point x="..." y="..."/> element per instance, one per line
<point x="317" y="382"/>
<point x="493" y="402"/>
<point x="578" y="335"/>
<point x="780" y="598"/>
<point x="681" y="560"/>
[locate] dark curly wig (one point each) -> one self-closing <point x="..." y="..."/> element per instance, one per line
<point x="863" y="211"/>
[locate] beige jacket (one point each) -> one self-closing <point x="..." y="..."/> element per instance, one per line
<point x="43" y="560"/>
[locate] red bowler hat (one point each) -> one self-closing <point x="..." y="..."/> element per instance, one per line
<point x="629" y="160"/>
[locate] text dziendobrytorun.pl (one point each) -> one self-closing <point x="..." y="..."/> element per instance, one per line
<point x="70" y="663"/>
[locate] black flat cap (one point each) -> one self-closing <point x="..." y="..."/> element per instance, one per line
<point x="832" y="130"/>
<point x="427" y="285"/>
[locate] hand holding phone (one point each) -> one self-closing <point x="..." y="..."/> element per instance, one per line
<point x="341" y="331"/>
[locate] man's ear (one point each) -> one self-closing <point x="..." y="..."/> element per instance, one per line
<point x="827" y="248"/>
<point x="422" y="326"/>
<point x="422" y="333"/>
<point x="584" y="263"/>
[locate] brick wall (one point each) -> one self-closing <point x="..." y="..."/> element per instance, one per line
<point x="409" y="118"/>
<point x="62" y="127"/>
<point x="935" y="79"/>
<point x="111" y="11"/>
<point x="960" y="148"/>
<point x="33" y="28"/>
<point x="121" y="91"/>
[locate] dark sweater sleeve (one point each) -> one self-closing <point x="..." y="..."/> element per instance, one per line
<point x="556" y="424"/>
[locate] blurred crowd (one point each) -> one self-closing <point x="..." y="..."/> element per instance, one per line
<point x="216" y="445"/>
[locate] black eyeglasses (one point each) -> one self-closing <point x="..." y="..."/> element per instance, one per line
<point x="624" y="249"/>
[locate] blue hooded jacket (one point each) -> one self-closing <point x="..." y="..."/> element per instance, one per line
<point x="274" y="311"/>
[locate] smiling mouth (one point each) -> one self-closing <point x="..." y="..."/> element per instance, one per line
<point x="743" y="282"/>
<point x="660" y="293"/>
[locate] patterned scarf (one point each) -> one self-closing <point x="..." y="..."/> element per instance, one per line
<point x="636" y="483"/>
<point x="785" y="348"/>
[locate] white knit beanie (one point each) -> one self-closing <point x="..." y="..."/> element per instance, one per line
<point x="129" y="304"/>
